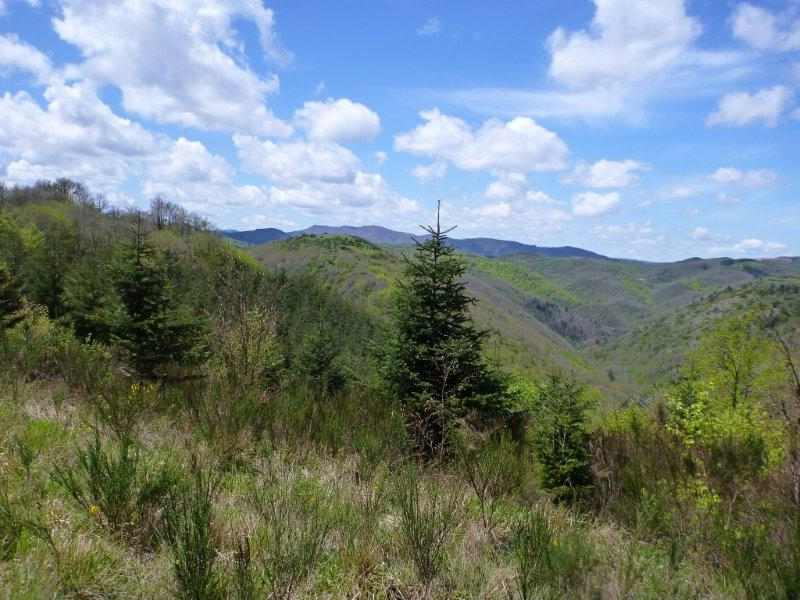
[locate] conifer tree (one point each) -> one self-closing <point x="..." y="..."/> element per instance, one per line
<point x="153" y="326"/>
<point x="10" y="298"/>
<point x="434" y="363"/>
<point x="561" y="439"/>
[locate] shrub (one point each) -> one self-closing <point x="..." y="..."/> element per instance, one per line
<point x="532" y="553"/>
<point x="114" y="485"/>
<point x="549" y="563"/>
<point x="429" y="516"/>
<point x="492" y="470"/>
<point x="187" y="529"/>
<point x="297" y="521"/>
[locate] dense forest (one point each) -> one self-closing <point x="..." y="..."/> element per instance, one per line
<point x="185" y="417"/>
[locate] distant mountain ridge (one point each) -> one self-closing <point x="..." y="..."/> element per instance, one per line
<point x="376" y="234"/>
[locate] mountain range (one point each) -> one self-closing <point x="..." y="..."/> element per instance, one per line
<point x="382" y="236"/>
<point x="620" y="325"/>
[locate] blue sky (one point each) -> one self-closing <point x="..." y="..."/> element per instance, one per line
<point x="656" y="130"/>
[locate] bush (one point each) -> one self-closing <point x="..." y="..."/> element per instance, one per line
<point x="297" y="522"/>
<point x="549" y="563"/>
<point x="492" y="470"/>
<point x="187" y="529"/>
<point x="429" y="516"/>
<point x="114" y="485"/>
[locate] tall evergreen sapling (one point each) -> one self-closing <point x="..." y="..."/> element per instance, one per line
<point x="434" y="363"/>
<point x="561" y="439"/>
<point x="154" y="327"/>
<point x="10" y="298"/>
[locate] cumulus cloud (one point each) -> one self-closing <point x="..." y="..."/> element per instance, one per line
<point x="520" y="145"/>
<point x="432" y="26"/>
<point x="513" y="218"/>
<point x="321" y="177"/>
<point x="75" y="135"/>
<point x="18" y="55"/>
<point x="630" y="53"/>
<point x="338" y="120"/>
<point x="296" y="160"/>
<point x="435" y="170"/>
<point x="755" y="178"/>
<point x="592" y="204"/>
<point x="628" y="41"/>
<point x="366" y="197"/>
<point x="205" y="82"/>
<point x="742" y="108"/>
<point x="755" y="246"/>
<point x="607" y="173"/>
<point x="701" y="234"/>
<point x="763" y="30"/>
<point x="381" y="157"/>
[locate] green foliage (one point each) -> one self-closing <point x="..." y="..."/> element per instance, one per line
<point x="550" y="562"/>
<point x="154" y="327"/>
<point x="560" y="438"/>
<point x="434" y="362"/>
<point x="493" y="470"/>
<point x="10" y="299"/>
<point x="297" y="520"/>
<point x="92" y="306"/>
<point x="318" y="365"/>
<point x="188" y="514"/>
<point x="533" y="547"/>
<point x="115" y="486"/>
<point x="429" y="515"/>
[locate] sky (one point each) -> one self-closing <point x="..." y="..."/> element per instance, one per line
<point x="655" y="130"/>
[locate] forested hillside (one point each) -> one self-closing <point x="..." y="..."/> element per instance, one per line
<point x="323" y="417"/>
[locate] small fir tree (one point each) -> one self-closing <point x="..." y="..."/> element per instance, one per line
<point x="560" y="439"/>
<point x="434" y="364"/>
<point x="10" y="299"/>
<point x="153" y="326"/>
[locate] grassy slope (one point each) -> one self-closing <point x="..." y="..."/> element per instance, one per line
<point x="367" y="274"/>
<point x="586" y="316"/>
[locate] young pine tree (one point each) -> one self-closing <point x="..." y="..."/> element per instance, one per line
<point x="156" y="329"/>
<point x="10" y="299"/>
<point x="434" y="364"/>
<point x="560" y="439"/>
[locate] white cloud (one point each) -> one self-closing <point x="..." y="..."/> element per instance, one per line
<point x="432" y="26"/>
<point x="508" y="185"/>
<point x="17" y="55"/>
<point x="435" y="170"/>
<point x="338" y="120"/>
<point x="755" y="178"/>
<point x="701" y="234"/>
<point x="187" y="173"/>
<point x="754" y="245"/>
<point x="607" y="174"/>
<point x="177" y="62"/>
<point x="381" y="157"/>
<point x="296" y="160"/>
<point x="519" y="145"/>
<point x="592" y="204"/>
<point x="320" y="177"/>
<point x="367" y="196"/>
<point x="514" y="218"/>
<point x="190" y="161"/>
<point x="629" y="41"/>
<point x="75" y="135"/>
<point x="743" y="108"/>
<point x="765" y="31"/>
<point x="631" y="54"/>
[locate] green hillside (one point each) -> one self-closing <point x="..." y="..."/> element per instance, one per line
<point x="619" y="325"/>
